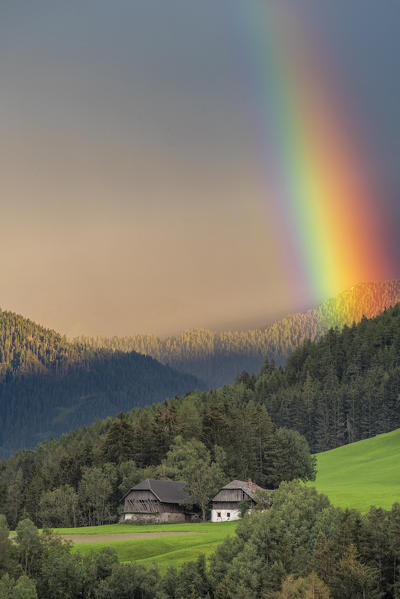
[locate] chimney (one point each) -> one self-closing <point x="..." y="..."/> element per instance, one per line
<point x="249" y="482"/>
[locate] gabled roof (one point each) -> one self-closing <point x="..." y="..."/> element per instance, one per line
<point x="166" y="491"/>
<point x="249" y="488"/>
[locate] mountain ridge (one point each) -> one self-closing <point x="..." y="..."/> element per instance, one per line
<point x="334" y="392"/>
<point x="217" y="358"/>
<point x="49" y="385"/>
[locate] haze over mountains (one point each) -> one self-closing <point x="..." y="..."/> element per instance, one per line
<point x="340" y="389"/>
<point x="49" y="386"/>
<point x="216" y="358"/>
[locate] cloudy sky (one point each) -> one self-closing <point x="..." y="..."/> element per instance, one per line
<point x="132" y="193"/>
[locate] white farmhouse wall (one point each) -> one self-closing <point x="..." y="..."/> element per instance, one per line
<point x="222" y="515"/>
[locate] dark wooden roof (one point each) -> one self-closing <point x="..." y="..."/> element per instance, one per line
<point x="247" y="487"/>
<point x="167" y="491"/>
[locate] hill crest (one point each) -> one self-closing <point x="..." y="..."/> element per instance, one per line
<point x="217" y="357"/>
<point x="49" y="385"/>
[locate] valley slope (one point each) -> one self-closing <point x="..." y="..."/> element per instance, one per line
<point x="341" y="389"/>
<point x="49" y="385"/>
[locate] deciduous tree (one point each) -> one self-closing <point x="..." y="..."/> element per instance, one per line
<point x="194" y="464"/>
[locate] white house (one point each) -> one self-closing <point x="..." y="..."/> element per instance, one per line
<point x="225" y="505"/>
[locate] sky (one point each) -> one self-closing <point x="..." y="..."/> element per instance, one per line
<point x="132" y="159"/>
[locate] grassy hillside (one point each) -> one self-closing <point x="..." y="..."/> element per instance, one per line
<point x="217" y="357"/>
<point x="362" y="474"/>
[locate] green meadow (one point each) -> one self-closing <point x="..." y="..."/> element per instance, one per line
<point x="362" y="474"/>
<point x="165" y="551"/>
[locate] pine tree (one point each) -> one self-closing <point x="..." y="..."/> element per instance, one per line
<point x="119" y="442"/>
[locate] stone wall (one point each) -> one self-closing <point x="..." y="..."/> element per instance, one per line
<point x="155" y="518"/>
<point x="173" y="517"/>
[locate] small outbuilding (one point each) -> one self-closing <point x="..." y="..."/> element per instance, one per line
<point x="156" y="501"/>
<point x="225" y="505"/>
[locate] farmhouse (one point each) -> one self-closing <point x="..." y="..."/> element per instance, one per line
<point x="156" y="501"/>
<point x="225" y="505"/>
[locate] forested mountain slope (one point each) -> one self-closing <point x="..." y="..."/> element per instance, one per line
<point x="216" y="358"/>
<point x="49" y="385"/>
<point x="343" y="388"/>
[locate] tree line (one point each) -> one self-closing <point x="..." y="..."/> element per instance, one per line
<point x="301" y="548"/>
<point x="343" y="388"/>
<point x="49" y="385"/>
<point x="216" y="357"/>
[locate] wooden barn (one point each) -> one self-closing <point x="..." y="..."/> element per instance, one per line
<point x="225" y="505"/>
<point x="156" y="501"/>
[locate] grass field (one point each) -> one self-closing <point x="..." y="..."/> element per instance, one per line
<point x="362" y="474"/>
<point x="164" y="551"/>
<point x="108" y="529"/>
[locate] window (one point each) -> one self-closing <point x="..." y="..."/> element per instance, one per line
<point x="218" y="514"/>
<point x="228" y="514"/>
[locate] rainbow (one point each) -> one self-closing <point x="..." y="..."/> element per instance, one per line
<point x="321" y="189"/>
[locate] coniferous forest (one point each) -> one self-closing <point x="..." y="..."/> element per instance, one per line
<point x="342" y="388"/>
<point x="216" y="358"/>
<point x="49" y="385"/>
